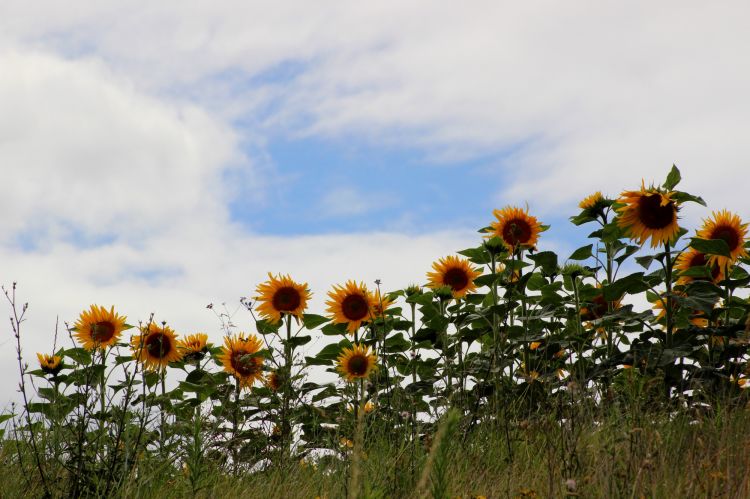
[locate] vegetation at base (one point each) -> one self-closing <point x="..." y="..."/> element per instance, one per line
<point x="511" y="373"/>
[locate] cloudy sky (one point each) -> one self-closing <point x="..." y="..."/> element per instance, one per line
<point x="160" y="156"/>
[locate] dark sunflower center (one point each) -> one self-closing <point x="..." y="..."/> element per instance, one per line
<point x="158" y="345"/>
<point x="516" y="232"/>
<point x="599" y="306"/>
<point x="456" y="278"/>
<point x="357" y="365"/>
<point x="354" y="307"/>
<point x="286" y="299"/>
<point x="728" y="234"/>
<point x="102" y="331"/>
<point x="244" y="363"/>
<point x="652" y="214"/>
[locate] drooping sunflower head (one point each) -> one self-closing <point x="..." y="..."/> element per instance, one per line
<point x="155" y="346"/>
<point x="357" y="362"/>
<point x="728" y="227"/>
<point x="455" y="273"/>
<point x="648" y="213"/>
<point x="694" y="259"/>
<point x="99" y="327"/>
<point x="380" y="304"/>
<point x="281" y="295"/>
<point x="242" y="358"/>
<point x="516" y="228"/>
<point x="50" y="364"/>
<point x="194" y="347"/>
<point x="350" y="304"/>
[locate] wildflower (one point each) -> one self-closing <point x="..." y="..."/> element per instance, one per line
<point x="99" y="328"/>
<point x="455" y="273"/>
<point x="281" y="295"/>
<point x="155" y="347"/>
<point x="356" y="362"/>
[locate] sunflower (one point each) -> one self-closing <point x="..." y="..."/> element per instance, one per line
<point x="241" y="358"/>
<point x="351" y="304"/>
<point x="729" y="227"/>
<point x="592" y="201"/>
<point x="455" y="273"/>
<point x="356" y="362"/>
<point x="281" y="295"/>
<point x="380" y="304"/>
<point x="155" y="347"/>
<point x="694" y="258"/>
<point x="516" y="228"/>
<point x="274" y="381"/>
<point x="50" y="364"/>
<point x="194" y="346"/>
<point x="597" y="307"/>
<point x="696" y="318"/>
<point x="99" y="328"/>
<point x="648" y="213"/>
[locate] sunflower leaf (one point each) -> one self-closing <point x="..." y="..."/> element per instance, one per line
<point x="79" y="355"/>
<point x="547" y="260"/>
<point x="333" y="329"/>
<point x="673" y="178"/>
<point x="684" y="197"/>
<point x="631" y="284"/>
<point x="582" y="253"/>
<point x="311" y="321"/>
<point x="711" y="246"/>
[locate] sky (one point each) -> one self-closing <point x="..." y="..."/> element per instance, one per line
<point x="161" y="156"/>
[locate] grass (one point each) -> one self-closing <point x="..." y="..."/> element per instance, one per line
<point x="667" y="457"/>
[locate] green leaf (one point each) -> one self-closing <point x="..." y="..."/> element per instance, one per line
<point x="631" y="284"/>
<point x="684" y="197"/>
<point x="547" y="260"/>
<point x="673" y="178"/>
<point x="265" y="327"/>
<point x="711" y="246"/>
<point x="333" y="329"/>
<point x="536" y="282"/>
<point x="299" y="340"/>
<point x="645" y="261"/>
<point x="396" y="343"/>
<point x="311" y="321"/>
<point x="79" y="355"/>
<point x="582" y="253"/>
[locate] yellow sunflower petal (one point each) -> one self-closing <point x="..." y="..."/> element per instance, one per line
<point x="240" y="357"/>
<point x="516" y="228"/>
<point x="350" y="304"/>
<point x="155" y="347"/>
<point x="281" y="295"/>
<point x="456" y="273"/>
<point x="357" y="362"/>
<point x="648" y="213"/>
<point x="98" y="327"/>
